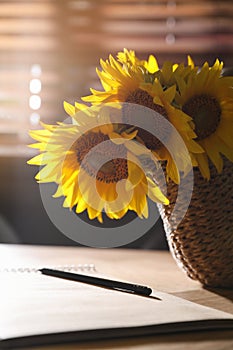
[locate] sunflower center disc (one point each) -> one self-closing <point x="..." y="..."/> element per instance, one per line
<point x="96" y="163"/>
<point x="142" y="98"/>
<point x="206" y="113"/>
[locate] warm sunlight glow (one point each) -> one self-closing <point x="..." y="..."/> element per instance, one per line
<point x="34" y="119"/>
<point x="35" y="102"/>
<point x="35" y="86"/>
<point x="36" y="70"/>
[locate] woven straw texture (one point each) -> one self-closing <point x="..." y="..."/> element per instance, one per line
<point x="202" y="244"/>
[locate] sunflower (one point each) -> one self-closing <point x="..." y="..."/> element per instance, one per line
<point x="126" y="80"/>
<point x="207" y="97"/>
<point x="93" y="166"/>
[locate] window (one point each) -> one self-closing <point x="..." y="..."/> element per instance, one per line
<point x="49" y="50"/>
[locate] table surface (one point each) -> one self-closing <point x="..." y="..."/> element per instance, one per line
<point x="156" y="269"/>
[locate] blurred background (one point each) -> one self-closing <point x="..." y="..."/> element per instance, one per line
<point x="49" y="50"/>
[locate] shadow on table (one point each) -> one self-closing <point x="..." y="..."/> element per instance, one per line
<point x="225" y="293"/>
<point x="216" y="298"/>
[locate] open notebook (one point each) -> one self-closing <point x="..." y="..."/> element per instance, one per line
<point x="38" y="309"/>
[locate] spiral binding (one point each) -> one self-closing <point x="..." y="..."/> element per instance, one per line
<point x="71" y="268"/>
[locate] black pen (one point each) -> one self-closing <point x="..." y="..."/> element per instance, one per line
<point x="97" y="281"/>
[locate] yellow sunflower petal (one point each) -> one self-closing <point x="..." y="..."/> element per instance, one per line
<point x="144" y="209"/>
<point x="152" y="64"/>
<point x="203" y="165"/>
<point x="225" y="132"/>
<point x="59" y="192"/>
<point x="172" y="170"/>
<point x="137" y="200"/>
<point x="167" y="70"/>
<point x="40" y="135"/>
<point x="170" y="93"/>
<point x="100" y="218"/>
<point x="92" y="213"/>
<point x="70" y="109"/>
<point x="213" y="153"/>
<point x="49" y="173"/>
<point x="190" y="62"/>
<point x="135" y="173"/>
<point x="81" y="206"/>
<point x="106" y="191"/>
<point x="224" y="148"/>
<point x="155" y="193"/>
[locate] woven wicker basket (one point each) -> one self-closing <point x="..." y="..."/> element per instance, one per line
<point x="202" y="244"/>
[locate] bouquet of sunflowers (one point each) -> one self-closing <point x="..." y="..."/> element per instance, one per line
<point x="196" y="101"/>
